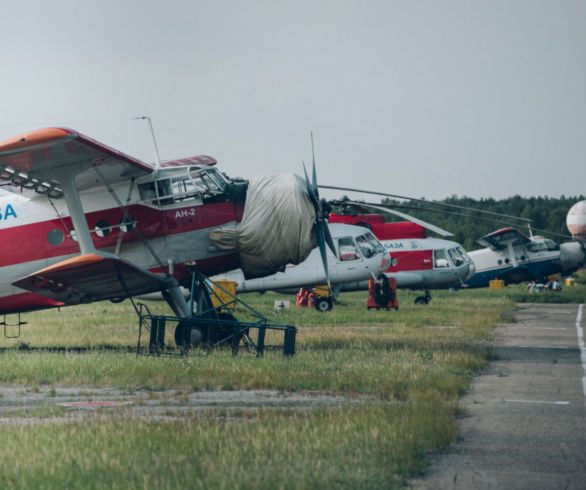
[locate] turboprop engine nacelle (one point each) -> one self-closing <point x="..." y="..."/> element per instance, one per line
<point x="572" y="256"/>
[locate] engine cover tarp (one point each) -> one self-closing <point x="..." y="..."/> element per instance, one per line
<point x="276" y="227"/>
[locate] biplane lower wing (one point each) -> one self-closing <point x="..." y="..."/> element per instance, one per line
<point x="92" y="277"/>
<point x="518" y="274"/>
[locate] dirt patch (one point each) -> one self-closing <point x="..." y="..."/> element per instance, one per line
<point x="29" y="405"/>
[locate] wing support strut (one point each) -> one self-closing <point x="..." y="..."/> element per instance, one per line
<point x="82" y="231"/>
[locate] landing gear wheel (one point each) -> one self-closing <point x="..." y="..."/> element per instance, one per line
<point x="187" y="335"/>
<point x="323" y="304"/>
<point x="421" y="300"/>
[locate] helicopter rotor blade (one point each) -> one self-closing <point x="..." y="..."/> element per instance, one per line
<point x="431" y="203"/>
<point x="429" y="226"/>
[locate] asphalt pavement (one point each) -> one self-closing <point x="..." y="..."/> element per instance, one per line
<point x="525" y="426"/>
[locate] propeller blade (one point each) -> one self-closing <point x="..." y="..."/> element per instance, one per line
<point x="320" y="226"/>
<point x="429" y="226"/>
<point x="330" y="240"/>
<point x="310" y="189"/>
<point x="314" y="176"/>
<point x="322" y="211"/>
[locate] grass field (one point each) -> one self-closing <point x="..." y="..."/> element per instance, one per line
<point x="408" y="367"/>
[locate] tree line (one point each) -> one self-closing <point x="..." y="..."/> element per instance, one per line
<point x="458" y="215"/>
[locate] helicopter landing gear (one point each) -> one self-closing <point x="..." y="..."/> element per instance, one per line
<point x="323" y="304"/>
<point x="423" y="300"/>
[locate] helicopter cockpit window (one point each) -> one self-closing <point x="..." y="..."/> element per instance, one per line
<point x="366" y="247"/>
<point x="347" y="249"/>
<point x="456" y="257"/>
<point x="440" y="259"/>
<point x="378" y="246"/>
<point x="465" y="256"/>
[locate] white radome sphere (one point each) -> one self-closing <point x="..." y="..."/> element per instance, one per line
<point x="576" y="220"/>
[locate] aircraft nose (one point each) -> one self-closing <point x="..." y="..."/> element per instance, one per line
<point x="572" y="256"/>
<point x="385" y="262"/>
<point x="471" y="271"/>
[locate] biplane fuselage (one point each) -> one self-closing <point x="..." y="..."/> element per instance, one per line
<point x="84" y="222"/>
<point x="36" y="233"/>
<point x="512" y="257"/>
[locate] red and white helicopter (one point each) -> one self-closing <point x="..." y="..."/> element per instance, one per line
<point x="85" y="223"/>
<point x="421" y="262"/>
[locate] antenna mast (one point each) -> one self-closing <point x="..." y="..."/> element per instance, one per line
<point x="157" y="157"/>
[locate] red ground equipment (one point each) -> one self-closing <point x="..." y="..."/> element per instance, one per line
<point x="382" y="293"/>
<point x="318" y="297"/>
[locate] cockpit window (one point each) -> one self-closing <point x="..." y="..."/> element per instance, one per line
<point x="378" y="246"/>
<point x="367" y="247"/>
<point x="542" y="246"/>
<point x="536" y="247"/>
<point x="466" y="257"/>
<point x="456" y="257"/>
<point x="347" y="249"/>
<point x="551" y="245"/>
<point x="440" y="259"/>
<point x="183" y="184"/>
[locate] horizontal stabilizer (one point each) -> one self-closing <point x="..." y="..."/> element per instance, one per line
<point x="91" y="277"/>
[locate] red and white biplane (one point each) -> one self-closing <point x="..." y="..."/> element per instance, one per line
<point x="84" y="222"/>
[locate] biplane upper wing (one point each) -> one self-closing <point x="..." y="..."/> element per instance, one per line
<point x="92" y="277"/>
<point x="500" y="239"/>
<point x="34" y="159"/>
<point x="48" y="160"/>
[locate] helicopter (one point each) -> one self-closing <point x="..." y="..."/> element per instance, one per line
<point x="421" y="262"/>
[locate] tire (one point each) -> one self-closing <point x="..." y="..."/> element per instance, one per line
<point x="323" y="304"/>
<point x="182" y="339"/>
<point x="421" y="300"/>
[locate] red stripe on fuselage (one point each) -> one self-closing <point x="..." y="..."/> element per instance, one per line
<point x="30" y="242"/>
<point x="413" y="260"/>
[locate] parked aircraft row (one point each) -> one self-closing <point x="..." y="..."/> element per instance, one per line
<point x="84" y="222"/>
<point x="421" y="262"/>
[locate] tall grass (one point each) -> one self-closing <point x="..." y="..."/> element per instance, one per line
<point x="374" y="446"/>
<point x="412" y="364"/>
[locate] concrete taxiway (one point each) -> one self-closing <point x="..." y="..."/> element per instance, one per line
<point x="525" y="426"/>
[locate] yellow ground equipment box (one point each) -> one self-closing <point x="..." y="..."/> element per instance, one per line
<point x="496" y="284"/>
<point x="322" y="291"/>
<point x="570" y="281"/>
<point x="220" y="297"/>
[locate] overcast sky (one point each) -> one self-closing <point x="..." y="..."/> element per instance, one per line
<point x="422" y="98"/>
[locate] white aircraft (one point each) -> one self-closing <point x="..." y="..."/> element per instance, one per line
<point x="513" y="257"/>
<point x="360" y="256"/>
